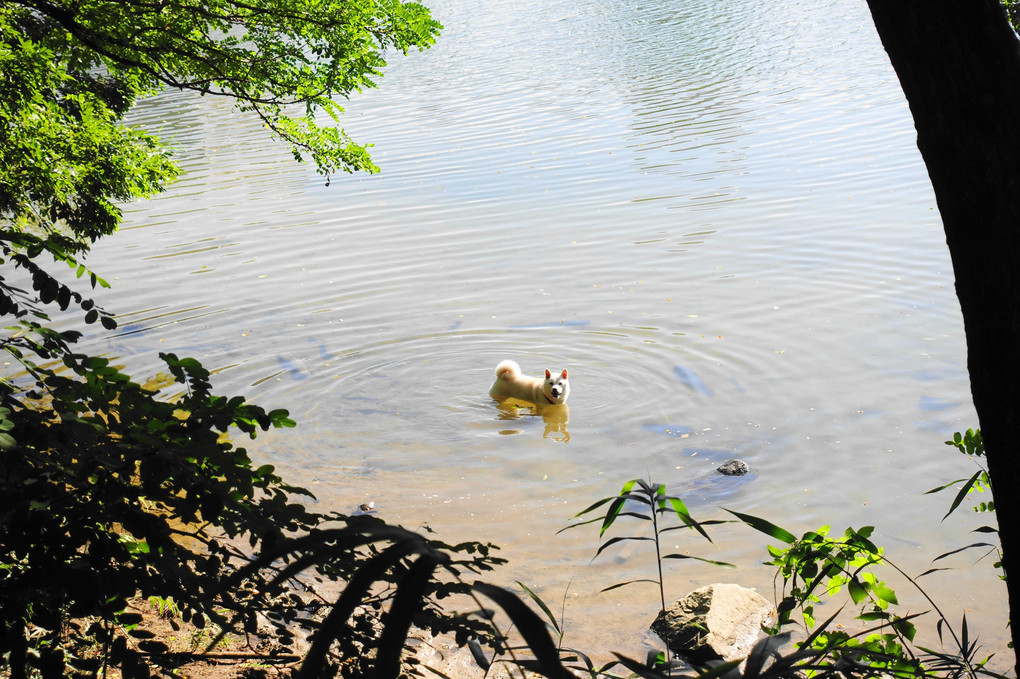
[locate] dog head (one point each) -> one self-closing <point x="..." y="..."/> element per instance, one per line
<point x="556" y="387"/>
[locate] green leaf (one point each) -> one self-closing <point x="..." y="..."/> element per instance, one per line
<point x="616" y="540"/>
<point x="943" y="487"/>
<point x="722" y="564"/>
<point x="629" y="582"/>
<point x="962" y="494"/>
<point x="961" y="549"/>
<point x="882" y="591"/>
<point x="614" y="510"/>
<point x="766" y="527"/>
<point x="594" y="506"/>
<point x="905" y="627"/>
<point x="553" y="623"/>
<point x="857" y="590"/>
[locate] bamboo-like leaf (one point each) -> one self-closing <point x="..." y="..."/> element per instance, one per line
<point x="962" y="494"/>
<point x="943" y="487"/>
<point x="678" y="505"/>
<point x="613" y="541"/>
<point x="541" y="604"/>
<point x="624" y="584"/>
<point x="614" y="509"/>
<point x="636" y="497"/>
<point x="627" y="487"/>
<point x="766" y="527"/>
<point x="723" y="564"/>
<point x="602" y="519"/>
<point x="593" y="506"/>
<point x="962" y="549"/>
<point x="635" y="515"/>
<point x="709" y="522"/>
<point x="580" y="523"/>
<point x="684" y="515"/>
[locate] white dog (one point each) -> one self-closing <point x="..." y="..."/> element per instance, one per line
<point x="510" y="383"/>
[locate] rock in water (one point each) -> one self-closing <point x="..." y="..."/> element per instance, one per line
<point x="733" y="468"/>
<point x="716" y="622"/>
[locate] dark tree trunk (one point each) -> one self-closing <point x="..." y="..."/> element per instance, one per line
<point x="959" y="64"/>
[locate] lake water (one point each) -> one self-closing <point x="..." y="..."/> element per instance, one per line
<point x="713" y="215"/>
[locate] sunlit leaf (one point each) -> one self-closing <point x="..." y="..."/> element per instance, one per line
<point x="857" y="591"/>
<point x="765" y="527"/>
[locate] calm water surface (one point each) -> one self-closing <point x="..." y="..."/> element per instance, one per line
<point x="712" y="214"/>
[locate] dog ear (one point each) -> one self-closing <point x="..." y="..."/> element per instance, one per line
<point x="564" y="373"/>
<point x="547" y="374"/>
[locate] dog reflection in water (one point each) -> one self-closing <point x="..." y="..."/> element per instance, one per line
<point x="547" y="397"/>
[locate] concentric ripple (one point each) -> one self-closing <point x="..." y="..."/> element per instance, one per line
<point x="713" y="215"/>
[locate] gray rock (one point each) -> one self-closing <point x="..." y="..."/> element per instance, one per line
<point x="733" y="468"/>
<point x="720" y="621"/>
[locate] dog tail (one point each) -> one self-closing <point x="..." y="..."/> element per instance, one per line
<point x="507" y="370"/>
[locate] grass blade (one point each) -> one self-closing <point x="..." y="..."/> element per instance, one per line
<point x="541" y="604"/>
<point x="531" y="627"/>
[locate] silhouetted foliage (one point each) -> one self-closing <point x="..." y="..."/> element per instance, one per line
<point x="111" y="488"/>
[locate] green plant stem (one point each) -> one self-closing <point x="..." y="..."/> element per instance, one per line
<point x="938" y="611"/>
<point x="658" y="555"/>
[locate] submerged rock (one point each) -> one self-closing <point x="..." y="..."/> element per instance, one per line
<point x="720" y="621"/>
<point x="733" y="468"/>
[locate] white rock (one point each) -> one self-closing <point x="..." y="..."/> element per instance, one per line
<point x="720" y="621"/>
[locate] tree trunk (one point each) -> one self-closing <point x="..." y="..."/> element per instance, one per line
<point x="959" y="65"/>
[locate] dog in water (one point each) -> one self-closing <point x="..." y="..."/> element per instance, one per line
<point x="510" y="383"/>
